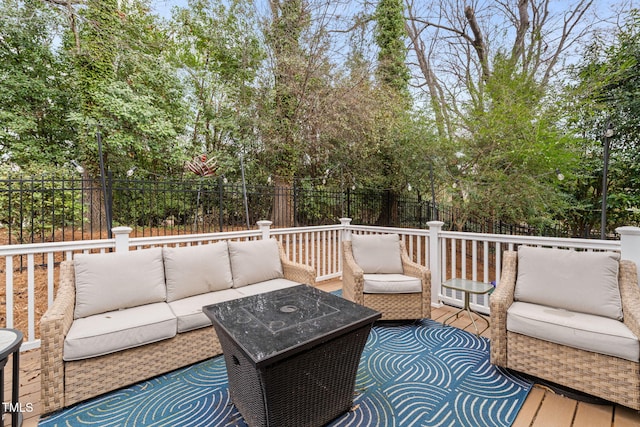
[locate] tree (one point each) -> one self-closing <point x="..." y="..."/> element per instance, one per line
<point x="605" y="93"/>
<point x="219" y="54"/>
<point x="390" y="37"/>
<point x="128" y="90"/>
<point x="35" y="97"/>
<point x="298" y="104"/>
<point x="507" y="169"/>
<point x="486" y="68"/>
<point x="393" y="77"/>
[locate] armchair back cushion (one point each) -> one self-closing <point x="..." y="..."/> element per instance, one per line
<point x="194" y="270"/>
<point x="112" y="281"/>
<point x="585" y="282"/>
<point x="377" y="253"/>
<point x="255" y="261"/>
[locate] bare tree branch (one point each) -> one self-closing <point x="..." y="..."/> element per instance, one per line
<point x="478" y="41"/>
<point x="71" y="17"/>
<point x="570" y="22"/>
<point x="522" y="26"/>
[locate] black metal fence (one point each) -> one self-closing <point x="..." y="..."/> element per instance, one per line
<point x="46" y="208"/>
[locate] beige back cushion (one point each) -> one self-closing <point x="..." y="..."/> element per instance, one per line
<point x="111" y="281"/>
<point x="194" y="270"/>
<point x="377" y="253"/>
<point x="586" y="282"/>
<point x="255" y="261"/>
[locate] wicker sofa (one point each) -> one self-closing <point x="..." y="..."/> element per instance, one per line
<point x="575" y="324"/>
<point x="378" y="273"/>
<point x="119" y="318"/>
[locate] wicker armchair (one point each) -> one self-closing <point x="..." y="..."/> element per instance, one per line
<point x="392" y="305"/>
<point x="611" y="378"/>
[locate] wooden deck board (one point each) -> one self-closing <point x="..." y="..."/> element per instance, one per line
<point x="625" y="417"/>
<point x="590" y="415"/>
<point x="529" y="408"/>
<point x="542" y="408"/>
<point x="555" y="411"/>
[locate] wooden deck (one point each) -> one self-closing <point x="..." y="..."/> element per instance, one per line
<point x="543" y="408"/>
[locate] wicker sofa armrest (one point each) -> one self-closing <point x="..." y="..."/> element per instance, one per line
<point x="352" y="276"/>
<point x="295" y="271"/>
<point x="499" y="302"/>
<point x="54" y="325"/>
<point x="630" y="295"/>
<point x="414" y="269"/>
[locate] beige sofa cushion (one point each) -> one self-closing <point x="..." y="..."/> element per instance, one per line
<point x="118" y="330"/>
<point x="377" y="253"/>
<point x="254" y="261"/>
<point x="193" y="270"/>
<point x="578" y="330"/>
<point x="111" y="281"/>
<point x="391" y="284"/>
<point x="586" y="282"/>
<point x="266" y="286"/>
<point x="189" y="310"/>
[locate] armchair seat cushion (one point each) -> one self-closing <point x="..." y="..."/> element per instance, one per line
<point x="113" y="331"/>
<point x="391" y="284"/>
<point x="587" y="332"/>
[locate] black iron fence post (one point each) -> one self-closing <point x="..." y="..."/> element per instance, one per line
<point x="220" y="203"/>
<point x="295" y="204"/>
<point x="419" y="210"/>
<point x="109" y="202"/>
<point x="10" y="209"/>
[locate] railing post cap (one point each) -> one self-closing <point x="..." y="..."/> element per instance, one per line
<point x="345" y="221"/>
<point x="435" y="223"/>
<point x="121" y="230"/>
<point x="264" y="223"/>
<point x="628" y="230"/>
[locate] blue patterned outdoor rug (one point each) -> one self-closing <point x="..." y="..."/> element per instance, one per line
<point x="411" y="374"/>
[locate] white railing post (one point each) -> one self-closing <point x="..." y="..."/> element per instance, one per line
<point x="122" y="238"/>
<point x="434" y="261"/>
<point x="630" y="244"/>
<point x="265" y="228"/>
<point x="346" y="233"/>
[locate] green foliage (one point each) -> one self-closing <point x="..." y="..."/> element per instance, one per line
<point x="218" y="79"/>
<point x="35" y="94"/>
<point x="606" y="94"/>
<point x="281" y="111"/>
<point x="393" y="77"/>
<point x="315" y="206"/>
<point x="505" y="169"/>
<point x="128" y="90"/>
<point x="219" y="54"/>
<point x="390" y="37"/>
<point x="95" y="62"/>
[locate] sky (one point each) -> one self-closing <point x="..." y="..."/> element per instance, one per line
<point x="163" y="7"/>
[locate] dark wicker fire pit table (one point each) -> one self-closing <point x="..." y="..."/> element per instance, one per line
<point x="292" y="355"/>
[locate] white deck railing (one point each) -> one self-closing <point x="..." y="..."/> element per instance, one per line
<point x="30" y="271"/>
